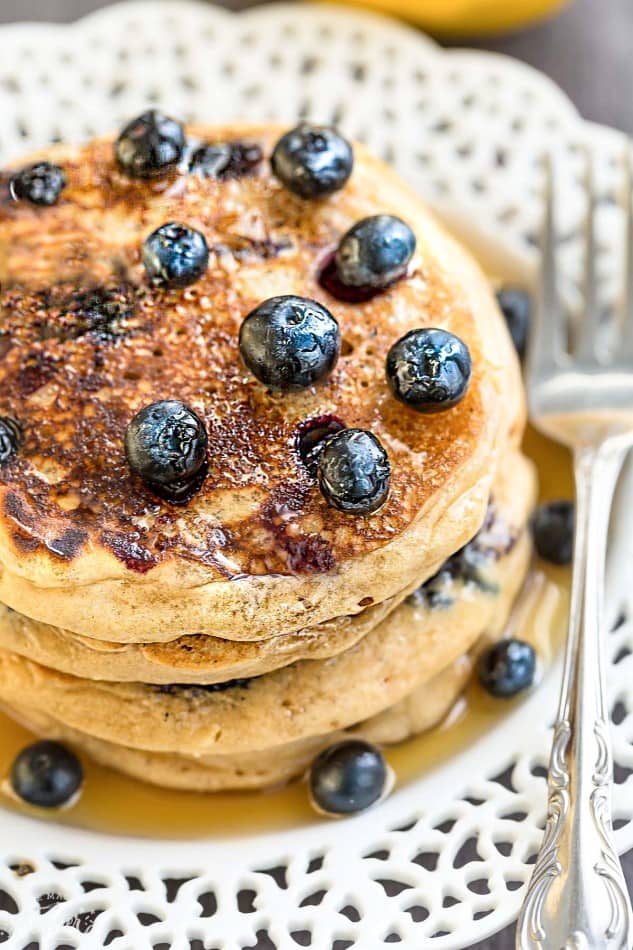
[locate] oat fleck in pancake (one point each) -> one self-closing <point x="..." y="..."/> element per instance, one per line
<point x="86" y="341"/>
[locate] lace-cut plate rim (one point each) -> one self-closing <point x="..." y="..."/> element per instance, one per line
<point x="441" y="863"/>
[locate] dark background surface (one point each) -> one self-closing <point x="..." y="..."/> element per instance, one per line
<point x="587" y="49"/>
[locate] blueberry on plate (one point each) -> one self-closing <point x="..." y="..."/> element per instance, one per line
<point x="348" y="777"/>
<point x="166" y="445"/>
<point x="312" y="161"/>
<point x="224" y="160"/>
<point x="507" y="668"/>
<point x="312" y="437"/>
<point x="47" y="775"/>
<point x="11" y="437"/>
<point x="354" y="472"/>
<point x="290" y="342"/>
<point x="429" y="370"/>
<point x="150" y="145"/>
<point x="516" y="306"/>
<point x="375" y="252"/>
<point x="41" y="184"/>
<point x="175" y="255"/>
<point x="553" y="531"/>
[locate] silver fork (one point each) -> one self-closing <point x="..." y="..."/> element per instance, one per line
<point x="577" y="897"/>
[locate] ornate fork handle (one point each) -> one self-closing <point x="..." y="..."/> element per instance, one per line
<point x="577" y="897"/>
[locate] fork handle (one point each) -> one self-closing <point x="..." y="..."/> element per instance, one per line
<point x="577" y="898"/>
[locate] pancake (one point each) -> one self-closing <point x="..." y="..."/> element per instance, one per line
<point x="193" y="658"/>
<point x="203" y="659"/>
<point x="421" y="710"/>
<point x="86" y="341"/>
<point x="308" y="698"/>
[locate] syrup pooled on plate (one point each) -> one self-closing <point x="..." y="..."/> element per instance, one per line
<point x="115" y="804"/>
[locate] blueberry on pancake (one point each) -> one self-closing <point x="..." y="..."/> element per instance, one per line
<point x="313" y="161"/>
<point x="429" y="370"/>
<point x="354" y="472"/>
<point x="150" y="146"/>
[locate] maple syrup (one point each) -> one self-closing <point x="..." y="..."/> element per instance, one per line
<point x="117" y="804"/>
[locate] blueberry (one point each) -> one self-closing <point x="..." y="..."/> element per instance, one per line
<point x="41" y="184"/>
<point x="290" y="342"/>
<point x="348" y="778"/>
<point x="516" y="307"/>
<point x="354" y="472"/>
<point x="175" y="255"/>
<point x="553" y="531"/>
<point x="11" y="437"/>
<point x="225" y="160"/>
<point x="375" y="252"/>
<point x="47" y="775"/>
<point x="508" y="667"/>
<point x="429" y="370"/>
<point x="150" y="145"/>
<point x="313" y="435"/>
<point x="166" y="444"/>
<point x="312" y="161"/>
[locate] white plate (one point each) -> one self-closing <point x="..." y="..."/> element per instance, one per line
<point x="467" y="129"/>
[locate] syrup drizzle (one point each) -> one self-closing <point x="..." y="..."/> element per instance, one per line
<point x="116" y="804"/>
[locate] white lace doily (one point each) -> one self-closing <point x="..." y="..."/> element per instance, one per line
<point x="442" y="863"/>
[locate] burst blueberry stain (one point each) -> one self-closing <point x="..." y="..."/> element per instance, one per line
<point x="166" y="445"/>
<point x="11" y="438"/>
<point x="39" y="184"/>
<point x="332" y="283"/>
<point x="311" y="554"/>
<point x="128" y="549"/>
<point x="429" y="370"/>
<point x="311" y="439"/>
<point x="313" y="161"/>
<point x="175" y="255"/>
<point x="290" y="342"/>
<point x="225" y="160"/>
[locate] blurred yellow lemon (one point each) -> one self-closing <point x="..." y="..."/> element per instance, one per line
<point x="467" y="17"/>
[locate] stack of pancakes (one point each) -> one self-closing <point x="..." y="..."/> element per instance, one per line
<point x="223" y="643"/>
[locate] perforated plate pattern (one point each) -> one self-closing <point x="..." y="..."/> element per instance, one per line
<point x="443" y="862"/>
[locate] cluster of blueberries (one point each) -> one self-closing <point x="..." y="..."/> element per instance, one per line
<point x="289" y="343"/>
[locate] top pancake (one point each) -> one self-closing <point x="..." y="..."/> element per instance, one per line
<point x="86" y="341"/>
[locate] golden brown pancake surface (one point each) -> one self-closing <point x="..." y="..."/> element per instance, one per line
<point x="86" y="341"/>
